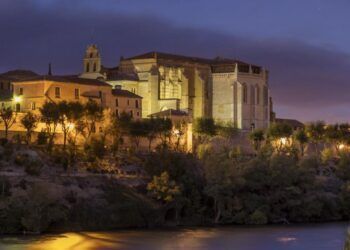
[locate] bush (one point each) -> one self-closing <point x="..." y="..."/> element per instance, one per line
<point x="33" y="167"/>
<point x="257" y="218"/>
<point x="42" y="138"/>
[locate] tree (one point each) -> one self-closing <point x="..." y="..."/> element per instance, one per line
<point x="137" y="130"/>
<point x="50" y="115"/>
<point x="29" y="122"/>
<point x="119" y="128"/>
<point x="301" y="137"/>
<point x="64" y="114"/>
<point x="151" y="128"/>
<point x="75" y="115"/>
<point x="204" y="127"/>
<point x="280" y="133"/>
<point x="162" y="188"/>
<point x="93" y="114"/>
<point x="316" y="133"/>
<point x="8" y="117"/>
<point x="163" y="128"/>
<point x="257" y="137"/>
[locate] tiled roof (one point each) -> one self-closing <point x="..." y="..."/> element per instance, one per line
<point x="168" y="56"/>
<point x="113" y="74"/>
<point x="124" y="93"/>
<point x="66" y="79"/>
<point x="169" y="112"/>
<point x="291" y="122"/>
<point x="18" y="74"/>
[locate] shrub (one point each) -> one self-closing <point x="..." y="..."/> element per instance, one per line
<point x="42" y="138"/>
<point x="257" y="218"/>
<point x="33" y="167"/>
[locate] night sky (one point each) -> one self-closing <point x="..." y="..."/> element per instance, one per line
<point x="304" y="43"/>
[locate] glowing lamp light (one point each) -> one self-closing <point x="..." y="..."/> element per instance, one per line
<point x="283" y="141"/>
<point x="70" y="125"/>
<point x="341" y="146"/>
<point x="17" y="99"/>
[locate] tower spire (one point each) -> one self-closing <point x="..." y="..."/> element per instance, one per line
<point x="50" y="72"/>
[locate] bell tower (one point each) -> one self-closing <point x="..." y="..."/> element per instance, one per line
<point x="92" y="63"/>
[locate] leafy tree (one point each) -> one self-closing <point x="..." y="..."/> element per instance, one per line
<point x="301" y="137"/>
<point x="257" y="137"/>
<point x="64" y="114"/>
<point x="8" y="117"/>
<point x="137" y="130"/>
<point x="162" y="188"/>
<point x="204" y="128"/>
<point x="163" y="128"/>
<point x="151" y="127"/>
<point x="50" y="115"/>
<point x="29" y="121"/>
<point x="280" y="133"/>
<point x="316" y="133"/>
<point x="75" y="116"/>
<point x="93" y="114"/>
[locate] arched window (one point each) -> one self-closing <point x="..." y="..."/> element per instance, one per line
<point x="245" y="93"/>
<point x="94" y="67"/>
<point x="87" y="67"/>
<point x="257" y="94"/>
<point x="91" y="54"/>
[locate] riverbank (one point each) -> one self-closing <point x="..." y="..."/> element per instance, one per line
<point x="328" y="236"/>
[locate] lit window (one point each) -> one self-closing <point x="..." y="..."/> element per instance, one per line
<point x="76" y="93"/>
<point x="57" y="92"/>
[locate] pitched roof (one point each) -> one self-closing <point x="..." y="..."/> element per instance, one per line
<point x="291" y="122"/>
<point x="18" y="74"/>
<point x="168" y="56"/>
<point x="169" y="112"/>
<point x="124" y="93"/>
<point x="66" y="79"/>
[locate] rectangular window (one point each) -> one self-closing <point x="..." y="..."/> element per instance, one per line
<point x="57" y="92"/>
<point x="131" y="114"/>
<point x="137" y="104"/>
<point x="33" y="106"/>
<point x="117" y="112"/>
<point x="116" y="102"/>
<point x="20" y="91"/>
<point x="76" y="93"/>
<point x="138" y="113"/>
<point x="128" y="102"/>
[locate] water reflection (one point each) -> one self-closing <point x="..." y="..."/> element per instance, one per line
<point x="326" y="236"/>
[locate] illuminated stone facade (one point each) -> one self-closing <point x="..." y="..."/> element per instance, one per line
<point x="227" y="90"/>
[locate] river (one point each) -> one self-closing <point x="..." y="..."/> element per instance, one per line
<point x="328" y="236"/>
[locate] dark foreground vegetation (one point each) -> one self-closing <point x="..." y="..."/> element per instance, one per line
<point x="291" y="176"/>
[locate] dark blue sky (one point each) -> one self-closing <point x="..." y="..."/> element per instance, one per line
<point x="304" y="43"/>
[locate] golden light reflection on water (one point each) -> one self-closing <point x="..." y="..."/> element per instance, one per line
<point x="76" y="241"/>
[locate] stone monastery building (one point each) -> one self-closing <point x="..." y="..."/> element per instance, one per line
<point x="227" y="90"/>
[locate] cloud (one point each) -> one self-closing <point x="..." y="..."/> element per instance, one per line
<point x="302" y="76"/>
